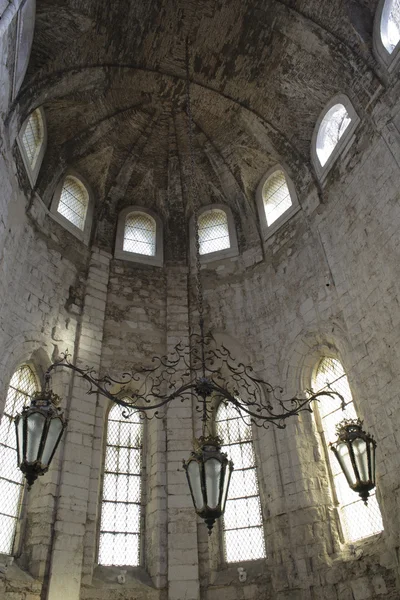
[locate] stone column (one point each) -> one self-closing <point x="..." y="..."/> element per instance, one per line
<point x="74" y="495"/>
<point x="183" y="562"/>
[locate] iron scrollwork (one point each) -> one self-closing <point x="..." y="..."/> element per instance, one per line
<point x="202" y="370"/>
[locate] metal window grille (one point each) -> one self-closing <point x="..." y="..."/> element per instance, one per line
<point x="22" y="386"/>
<point x="121" y="504"/>
<point x="276" y="197"/>
<point x="333" y="126"/>
<point x="140" y="234"/>
<point x="242" y="522"/>
<point x="74" y="202"/>
<point x="390" y="25"/>
<point x="213" y="231"/>
<point x="358" y="521"/>
<point x="32" y="138"/>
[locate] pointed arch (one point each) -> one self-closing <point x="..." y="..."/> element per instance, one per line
<point x="32" y="140"/>
<point x="358" y="521"/>
<point x="276" y="200"/>
<point x="22" y="385"/>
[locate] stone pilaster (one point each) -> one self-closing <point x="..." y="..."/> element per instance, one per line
<point x="75" y="492"/>
<point x="183" y="563"/>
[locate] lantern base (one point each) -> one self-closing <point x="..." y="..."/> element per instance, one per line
<point x="209" y="521"/>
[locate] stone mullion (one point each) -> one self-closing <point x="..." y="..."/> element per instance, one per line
<point x="74" y="501"/>
<point x="183" y="563"/>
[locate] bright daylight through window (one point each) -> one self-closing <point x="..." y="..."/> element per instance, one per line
<point x="22" y="385"/>
<point x="276" y="197"/>
<point x="358" y="521"/>
<point x="242" y="522"/>
<point x="333" y="126"/>
<point x="32" y="138"/>
<point x="121" y="505"/>
<point x="74" y="202"/>
<point x="140" y="234"/>
<point x="390" y="25"/>
<point x="213" y="231"/>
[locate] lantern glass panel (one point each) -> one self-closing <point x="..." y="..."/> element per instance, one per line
<point x="53" y="434"/>
<point x="345" y="461"/>
<point x="212" y="470"/>
<point x="226" y="486"/>
<point x="361" y="458"/>
<point x="35" y="424"/>
<point x="20" y="433"/>
<point x="372" y="450"/>
<point x="195" y="482"/>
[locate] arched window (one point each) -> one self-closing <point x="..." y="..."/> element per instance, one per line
<point x="74" y="202"/>
<point x="332" y="132"/>
<point x="276" y="196"/>
<point x="332" y="127"/>
<point x="140" y="234"/>
<point x="119" y="542"/>
<point x="32" y="137"/>
<point x="213" y="231"/>
<point x="242" y="523"/>
<point x="32" y="143"/>
<point x="22" y="386"/>
<point x="358" y="521"/>
<point x="390" y="25"/>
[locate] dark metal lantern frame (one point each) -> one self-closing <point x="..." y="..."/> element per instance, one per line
<point x="39" y="429"/>
<point x="355" y="452"/>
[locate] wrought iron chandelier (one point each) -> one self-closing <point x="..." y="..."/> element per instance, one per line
<point x="200" y="370"/>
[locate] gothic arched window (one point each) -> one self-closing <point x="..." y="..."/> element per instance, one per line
<point x="140" y="234"/>
<point x="22" y="385"/>
<point x="358" y="521"/>
<point x="242" y="522"/>
<point x="74" y="201"/>
<point x="119" y="542"/>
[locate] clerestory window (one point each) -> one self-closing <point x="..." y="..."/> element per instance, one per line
<point x="358" y="521"/>
<point x="242" y="523"/>
<point x="140" y="234"/>
<point x="32" y="143"/>
<point x="120" y="527"/>
<point x="74" y="202"/>
<point x="213" y="231"/>
<point x="332" y="133"/>
<point x="390" y="25"/>
<point x="276" y="197"/>
<point x="22" y="385"/>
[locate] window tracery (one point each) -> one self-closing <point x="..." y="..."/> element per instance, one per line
<point x="358" y="521"/>
<point x="119" y="542"/>
<point x="242" y="523"/>
<point x="22" y="386"/>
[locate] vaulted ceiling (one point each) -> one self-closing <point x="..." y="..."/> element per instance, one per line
<point x="111" y="76"/>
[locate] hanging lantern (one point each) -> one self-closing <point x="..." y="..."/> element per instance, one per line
<point x="355" y="452"/>
<point x="39" y="430"/>
<point x="208" y="471"/>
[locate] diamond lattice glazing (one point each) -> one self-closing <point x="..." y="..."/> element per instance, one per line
<point x="242" y="523"/>
<point x="213" y="231"/>
<point x="22" y="386"/>
<point x="358" y="521"/>
<point x="140" y="234"/>
<point x="32" y="138"/>
<point x="276" y="197"/>
<point x="120" y="511"/>
<point x="74" y="202"/>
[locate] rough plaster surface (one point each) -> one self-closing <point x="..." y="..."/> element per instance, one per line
<point x="326" y="281"/>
